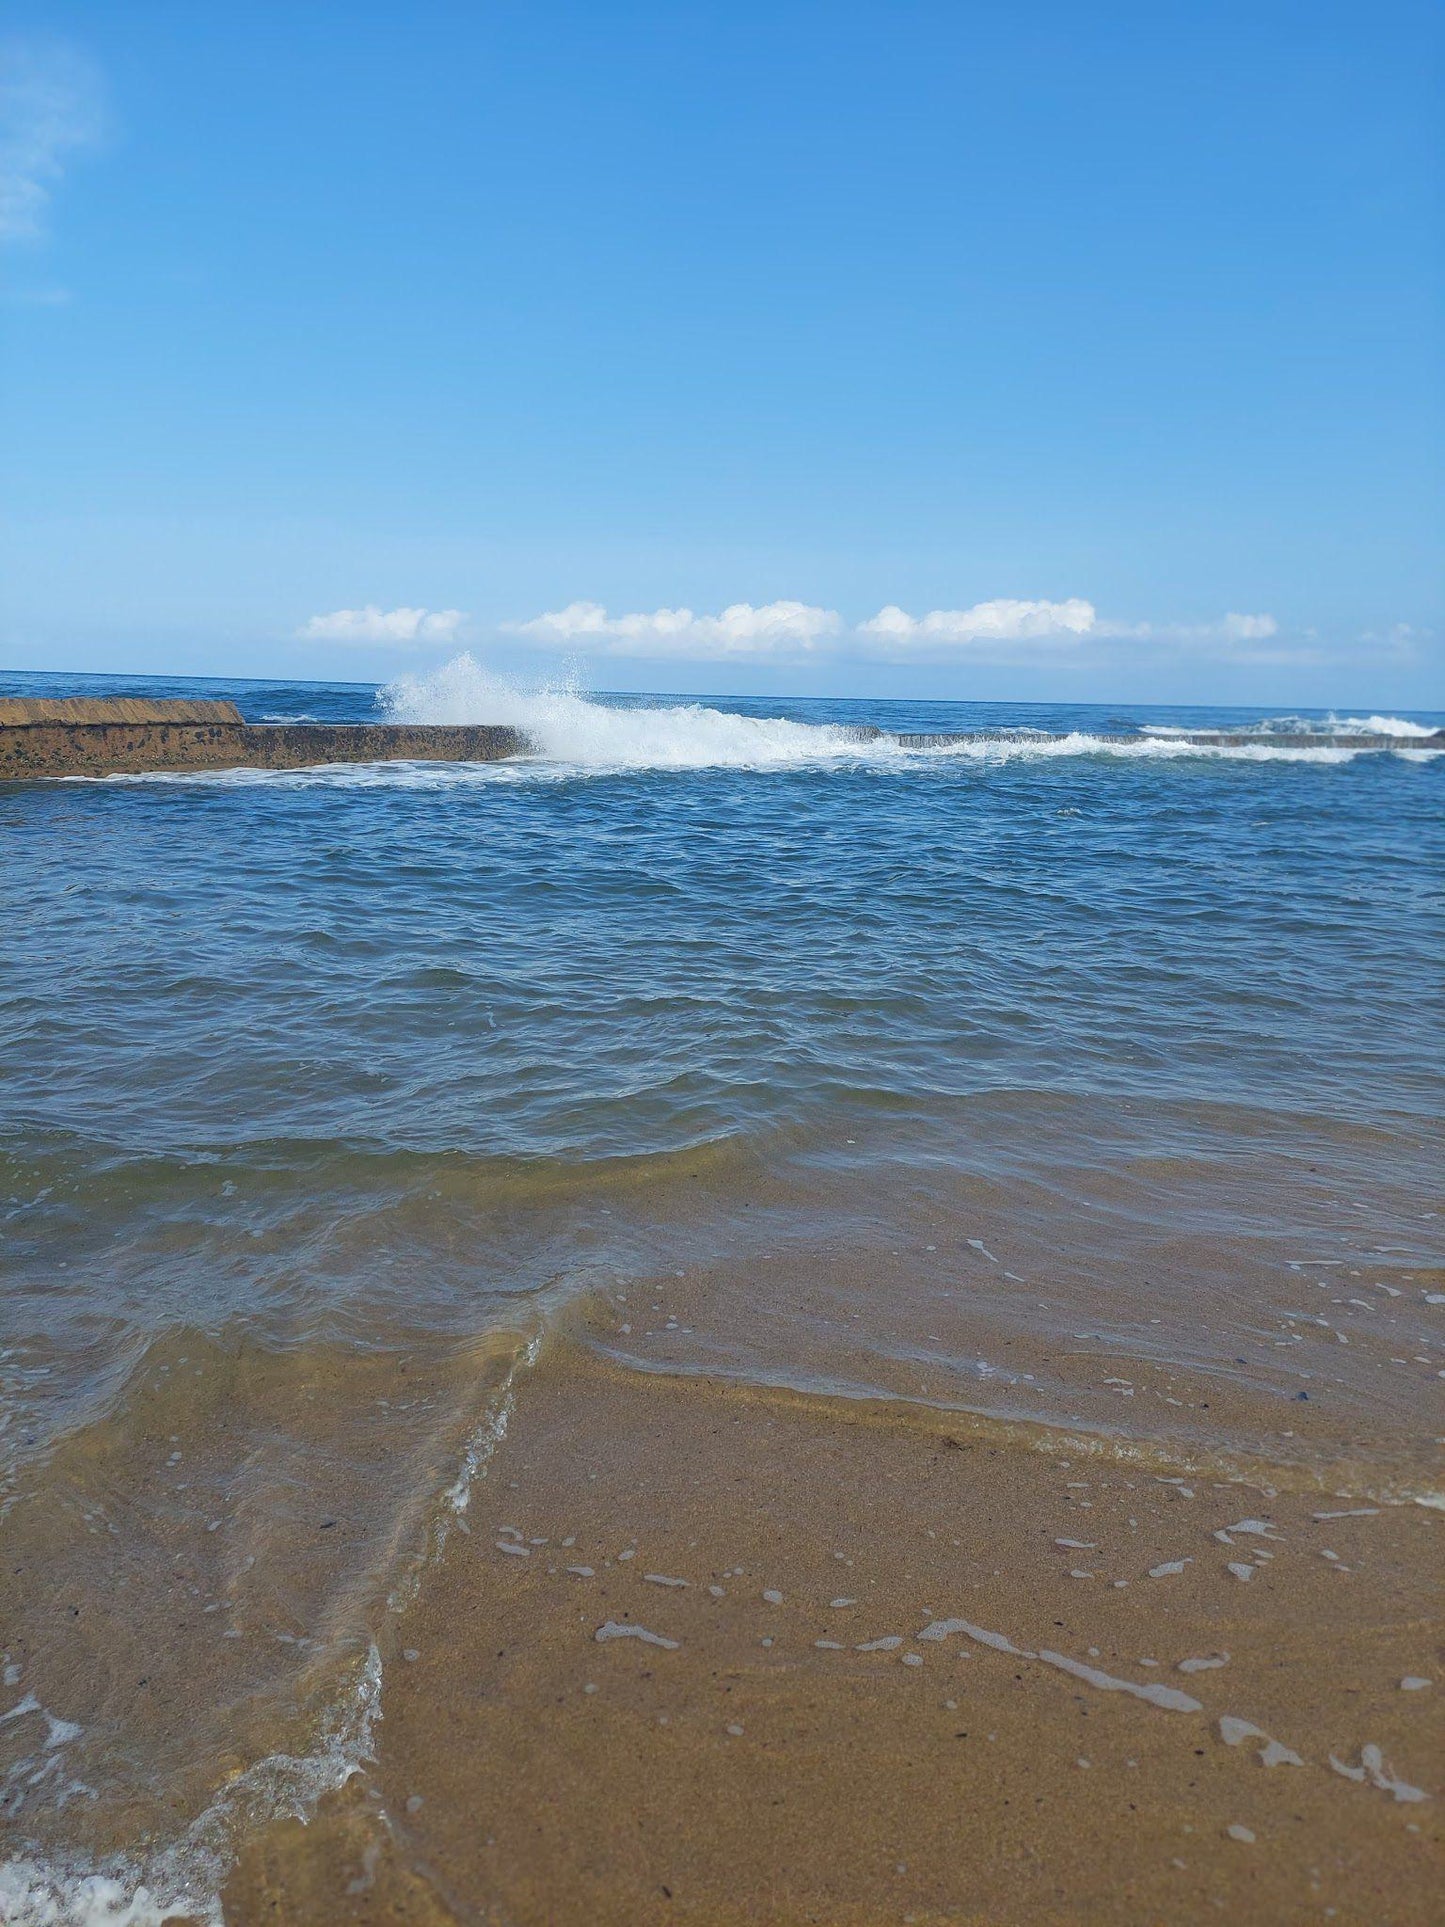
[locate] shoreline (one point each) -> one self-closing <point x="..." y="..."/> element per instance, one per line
<point x="731" y="1658"/>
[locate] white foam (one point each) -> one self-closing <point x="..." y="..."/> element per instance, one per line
<point x="1399" y="726"/>
<point x="1234" y="1732"/>
<point x="1372" y="1767"/>
<point x="566" y="727"/>
<point x="612" y="1630"/>
<point x="1332" y="725"/>
<point x="1169" y="1697"/>
<point x="183" y="1881"/>
<point x="573" y="731"/>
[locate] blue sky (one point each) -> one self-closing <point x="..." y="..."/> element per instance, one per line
<point x="1008" y="350"/>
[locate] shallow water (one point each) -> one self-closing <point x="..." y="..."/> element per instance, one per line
<point x="1093" y="1091"/>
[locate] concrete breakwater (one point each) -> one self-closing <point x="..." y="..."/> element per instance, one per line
<point x="126" y="736"/>
<point x="112" y="736"/>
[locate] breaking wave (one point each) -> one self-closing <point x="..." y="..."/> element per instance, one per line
<point x="567" y="727"/>
<point x="1292" y="725"/>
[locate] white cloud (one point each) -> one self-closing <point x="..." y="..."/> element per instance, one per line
<point x="49" y="110"/>
<point x="372" y="624"/>
<point x="1230" y="628"/>
<point x="778" y="629"/>
<point x="1237" y="628"/>
<point x="1401" y="636"/>
<point x="1004" y="620"/>
<point x="1002" y="629"/>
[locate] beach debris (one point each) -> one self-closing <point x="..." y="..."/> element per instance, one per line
<point x="612" y="1630"/>
<point x="1242" y="1834"/>
<point x="735" y="1730"/>
<point x="838" y="1604"/>
<point x="1353" y="1512"/>
<point x="1204" y="1665"/>
<point x="1234" y="1732"/>
<point x="517" y="1552"/>
<point x="1077" y="1545"/>
<point x="661" y="1579"/>
<point x="1372" y="1767"/>
<point x="773" y="1598"/>
<point x="582" y="1572"/>
<point x="1414" y="1683"/>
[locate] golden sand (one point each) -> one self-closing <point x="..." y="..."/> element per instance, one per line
<point x="792" y="1745"/>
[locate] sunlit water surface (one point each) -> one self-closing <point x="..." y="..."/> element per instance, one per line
<point x="1088" y="1088"/>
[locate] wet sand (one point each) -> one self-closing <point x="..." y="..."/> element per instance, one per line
<point x="784" y="1719"/>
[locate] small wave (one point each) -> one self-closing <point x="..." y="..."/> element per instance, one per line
<point x="183" y="1881"/>
<point x="1294" y="725"/>
<point x="1380" y="726"/>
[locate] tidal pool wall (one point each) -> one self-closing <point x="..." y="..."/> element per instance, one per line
<point x="83" y="737"/>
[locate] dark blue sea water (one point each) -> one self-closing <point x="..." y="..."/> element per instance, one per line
<point x="1129" y="1052"/>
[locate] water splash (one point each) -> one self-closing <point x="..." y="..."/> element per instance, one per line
<point x="567" y="727"/>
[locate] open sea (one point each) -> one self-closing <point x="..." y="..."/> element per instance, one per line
<point x="1093" y="1091"/>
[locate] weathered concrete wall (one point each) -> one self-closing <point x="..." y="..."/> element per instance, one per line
<point x="48" y="749"/>
<point x="117" y="709"/>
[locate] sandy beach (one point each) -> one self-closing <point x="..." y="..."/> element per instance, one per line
<point x="699" y="1653"/>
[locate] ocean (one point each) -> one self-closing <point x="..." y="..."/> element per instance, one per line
<point x="1090" y="1092"/>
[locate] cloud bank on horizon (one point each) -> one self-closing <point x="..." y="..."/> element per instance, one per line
<point x="1003" y="628"/>
<point x="376" y="625"/>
